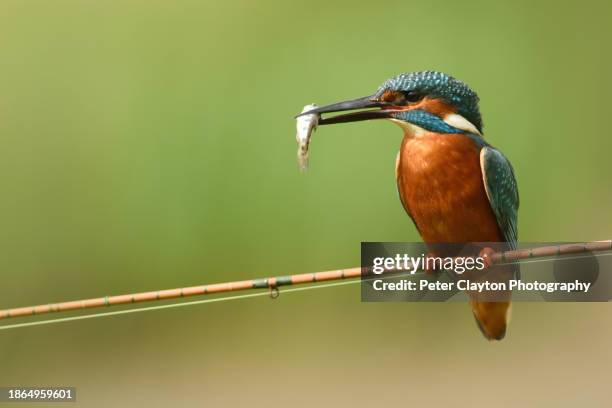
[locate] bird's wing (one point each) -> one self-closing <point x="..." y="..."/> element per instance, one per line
<point x="502" y="191"/>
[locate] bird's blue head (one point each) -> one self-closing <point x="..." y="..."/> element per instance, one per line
<point x="428" y="100"/>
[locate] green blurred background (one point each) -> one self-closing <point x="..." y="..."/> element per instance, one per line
<point x="150" y="144"/>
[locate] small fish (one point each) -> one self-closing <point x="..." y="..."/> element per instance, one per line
<point x="305" y="126"/>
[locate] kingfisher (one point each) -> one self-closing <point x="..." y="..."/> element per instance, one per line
<point x="455" y="186"/>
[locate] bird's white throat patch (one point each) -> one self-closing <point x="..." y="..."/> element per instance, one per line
<point x="409" y="128"/>
<point x="459" y="122"/>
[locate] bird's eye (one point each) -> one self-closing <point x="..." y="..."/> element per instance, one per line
<point x="412" y="96"/>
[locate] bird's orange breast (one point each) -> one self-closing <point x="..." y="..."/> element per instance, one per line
<point x="441" y="186"/>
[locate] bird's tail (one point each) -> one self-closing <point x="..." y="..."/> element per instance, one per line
<point x="492" y="308"/>
<point x="492" y="318"/>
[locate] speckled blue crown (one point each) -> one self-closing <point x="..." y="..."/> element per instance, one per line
<point x="438" y="85"/>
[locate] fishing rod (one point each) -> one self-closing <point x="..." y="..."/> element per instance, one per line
<point x="272" y="284"/>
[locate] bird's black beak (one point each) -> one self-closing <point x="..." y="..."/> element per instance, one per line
<point x="366" y="102"/>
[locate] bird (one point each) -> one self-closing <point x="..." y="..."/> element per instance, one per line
<point x="455" y="186"/>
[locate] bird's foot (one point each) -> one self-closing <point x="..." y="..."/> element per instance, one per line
<point x="485" y="254"/>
